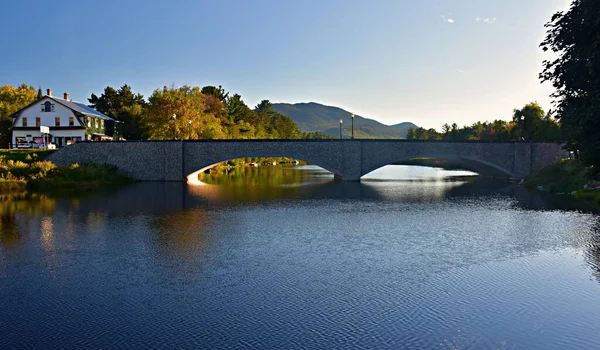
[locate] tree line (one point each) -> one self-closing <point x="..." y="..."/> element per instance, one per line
<point x="529" y="123"/>
<point x="192" y="113"/>
<point x="171" y="112"/>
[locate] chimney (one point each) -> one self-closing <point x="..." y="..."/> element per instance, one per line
<point x="49" y="92"/>
<point x="66" y="96"/>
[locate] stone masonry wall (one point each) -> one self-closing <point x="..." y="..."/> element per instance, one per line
<point x="347" y="159"/>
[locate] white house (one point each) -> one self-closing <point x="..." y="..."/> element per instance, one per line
<point x="68" y="121"/>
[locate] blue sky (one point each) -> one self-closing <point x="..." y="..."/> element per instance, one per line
<point x="426" y="61"/>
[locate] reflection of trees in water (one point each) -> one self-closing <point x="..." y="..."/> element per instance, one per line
<point x="8" y="229"/>
<point x="592" y="253"/>
<point x="245" y="176"/>
<point x="180" y="235"/>
<point x="29" y="204"/>
<point x="252" y="184"/>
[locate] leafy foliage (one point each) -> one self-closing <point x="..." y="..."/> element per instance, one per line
<point x="217" y="92"/>
<point x="122" y="105"/>
<point x="188" y="113"/>
<point x="575" y="36"/>
<point x="182" y="113"/>
<point x="566" y="176"/>
<point x="529" y="123"/>
<point x="13" y="98"/>
<point x="25" y="170"/>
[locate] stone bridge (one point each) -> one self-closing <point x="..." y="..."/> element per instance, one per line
<point x="347" y="159"/>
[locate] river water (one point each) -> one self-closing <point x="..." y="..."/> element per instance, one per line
<point x="287" y="258"/>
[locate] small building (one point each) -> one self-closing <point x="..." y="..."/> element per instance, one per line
<point x="67" y="120"/>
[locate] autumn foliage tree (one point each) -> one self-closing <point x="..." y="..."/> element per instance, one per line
<point x="181" y="113"/>
<point x="13" y="98"/>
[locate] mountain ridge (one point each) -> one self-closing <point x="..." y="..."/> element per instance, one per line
<point x="316" y="117"/>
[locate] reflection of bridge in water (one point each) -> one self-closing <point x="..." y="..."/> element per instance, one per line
<point x="349" y="160"/>
<point x="155" y="198"/>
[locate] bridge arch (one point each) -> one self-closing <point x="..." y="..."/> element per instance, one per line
<point x="203" y="155"/>
<point x="206" y="166"/>
<point x="462" y="162"/>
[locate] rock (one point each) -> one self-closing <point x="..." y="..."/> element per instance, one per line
<point x="574" y="193"/>
<point x="586" y="187"/>
<point x="540" y="188"/>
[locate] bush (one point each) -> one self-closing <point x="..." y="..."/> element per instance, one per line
<point x="566" y="176"/>
<point x="48" y="176"/>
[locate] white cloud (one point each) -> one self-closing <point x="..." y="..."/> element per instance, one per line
<point x="486" y="20"/>
<point x="461" y="71"/>
<point x="447" y="19"/>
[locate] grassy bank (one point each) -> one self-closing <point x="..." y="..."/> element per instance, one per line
<point x="25" y="155"/>
<point x="567" y="177"/>
<point x="22" y="170"/>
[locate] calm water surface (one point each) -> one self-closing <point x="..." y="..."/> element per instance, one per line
<point x="411" y="258"/>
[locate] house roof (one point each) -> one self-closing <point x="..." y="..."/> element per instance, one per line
<point x="80" y="107"/>
<point x="75" y="106"/>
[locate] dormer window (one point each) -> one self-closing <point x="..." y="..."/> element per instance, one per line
<point x="48" y="107"/>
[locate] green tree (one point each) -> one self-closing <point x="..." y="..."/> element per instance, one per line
<point x="534" y="124"/>
<point x="318" y="135"/>
<point x="40" y="94"/>
<point x="446" y="131"/>
<point x="237" y="108"/>
<point x="265" y="106"/>
<point x="123" y="105"/>
<point x="527" y="120"/>
<point x="575" y="36"/>
<point x="217" y="92"/>
<point x="454" y="132"/>
<point x="12" y="99"/>
<point x="284" y="127"/>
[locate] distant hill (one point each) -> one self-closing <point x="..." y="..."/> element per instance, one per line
<point x="313" y="116"/>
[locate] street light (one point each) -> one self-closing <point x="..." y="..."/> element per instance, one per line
<point x="174" y="116"/>
<point x="524" y="126"/>
<point x="190" y="129"/>
<point x="352" y="115"/>
<point x="341" y="121"/>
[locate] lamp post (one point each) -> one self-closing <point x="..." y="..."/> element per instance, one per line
<point x="341" y="121"/>
<point x="524" y="126"/>
<point x="174" y="116"/>
<point x="190" y="129"/>
<point x="352" y="115"/>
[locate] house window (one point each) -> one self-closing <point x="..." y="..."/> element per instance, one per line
<point x="71" y="121"/>
<point x="57" y="121"/>
<point x="24" y="121"/>
<point x="47" y="107"/>
<point x="38" y="122"/>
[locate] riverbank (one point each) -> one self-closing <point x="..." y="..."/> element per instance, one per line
<point x="566" y="177"/>
<point x="26" y="170"/>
